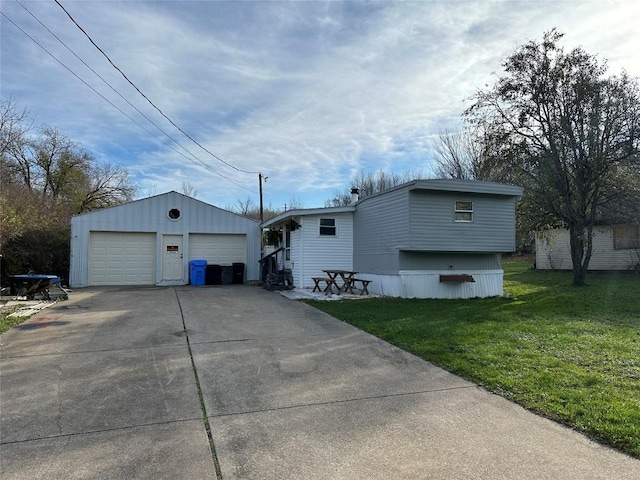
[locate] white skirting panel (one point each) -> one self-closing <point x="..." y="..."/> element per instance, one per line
<point x="426" y="284"/>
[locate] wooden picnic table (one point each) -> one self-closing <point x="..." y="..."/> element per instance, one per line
<point x="346" y="277"/>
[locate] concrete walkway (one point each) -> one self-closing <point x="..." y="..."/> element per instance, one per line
<point x="236" y="382"/>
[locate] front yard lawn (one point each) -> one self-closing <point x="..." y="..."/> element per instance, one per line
<point x="569" y="354"/>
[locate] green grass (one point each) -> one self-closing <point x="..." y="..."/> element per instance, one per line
<point x="569" y="354"/>
<point x="7" y="322"/>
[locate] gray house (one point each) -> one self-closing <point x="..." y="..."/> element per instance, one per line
<point x="423" y="239"/>
<point x="151" y="241"/>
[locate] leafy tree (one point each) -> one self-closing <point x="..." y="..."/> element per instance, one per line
<point x="569" y="133"/>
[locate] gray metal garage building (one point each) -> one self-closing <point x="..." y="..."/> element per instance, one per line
<point x="151" y="241"/>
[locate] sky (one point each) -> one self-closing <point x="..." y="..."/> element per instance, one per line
<point x="307" y="93"/>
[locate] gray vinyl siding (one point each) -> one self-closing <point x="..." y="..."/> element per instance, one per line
<point x="449" y="261"/>
<point x="414" y="219"/>
<point x="381" y="228"/>
<point x="433" y="227"/>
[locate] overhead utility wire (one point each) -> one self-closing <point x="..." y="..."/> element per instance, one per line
<point x="200" y="162"/>
<point x="118" y="108"/>
<point x="147" y="98"/>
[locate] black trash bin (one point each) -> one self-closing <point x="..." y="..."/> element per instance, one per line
<point x="238" y="272"/>
<point x="213" y="275"/>
<point x="226" y="276"/>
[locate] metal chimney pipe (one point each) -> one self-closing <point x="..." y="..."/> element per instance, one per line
<point x="355" y="195"/>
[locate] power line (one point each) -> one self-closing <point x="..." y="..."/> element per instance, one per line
<point x="197" y="160"/>
<point x="147" y="98"/>
<point x="100" y="77"/>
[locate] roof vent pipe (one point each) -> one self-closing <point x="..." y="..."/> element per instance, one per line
<point x="355" y="195"/>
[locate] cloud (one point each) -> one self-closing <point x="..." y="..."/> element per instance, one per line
<point x="309" y="93"/>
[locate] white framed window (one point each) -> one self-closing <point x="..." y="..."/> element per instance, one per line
<point x="328" y="226"/>
<point x="463" y="211"/>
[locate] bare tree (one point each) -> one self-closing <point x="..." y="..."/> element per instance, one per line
<point x="457" y="155"/>
<point x="369" y="184"/>
<point x="104" y="186"/>
<point x="467" y="154"/>
<point x="188" y="189"/>
<point x="12" y="124"/>
<point x="246" y="206"/>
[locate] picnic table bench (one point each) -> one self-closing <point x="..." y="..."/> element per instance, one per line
<point x="329" y="282"/>
<point x="365" y="284"/>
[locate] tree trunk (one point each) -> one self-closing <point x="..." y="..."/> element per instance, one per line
<point x="576" y="242"/>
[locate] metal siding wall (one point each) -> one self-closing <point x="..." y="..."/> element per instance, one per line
<point x="553" y="251"/>
<point x="150" y="215"/>
<point x="426" y="284"/>
<point x="325" y="252"/>
<point x="381" y="228"/>
<point x="78" y="267"/>
<point x="433" y="226"/>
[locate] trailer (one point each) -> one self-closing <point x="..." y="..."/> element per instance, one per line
<point x="31" y="284"/>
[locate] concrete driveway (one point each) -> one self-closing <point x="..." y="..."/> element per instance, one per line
<point x="237" y="382"/>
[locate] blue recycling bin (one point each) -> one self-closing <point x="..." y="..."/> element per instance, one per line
<point x="197" y="271"/>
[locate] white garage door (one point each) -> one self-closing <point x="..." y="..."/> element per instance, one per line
<point x="218" y="249"/>
<point x="117" y="258"/>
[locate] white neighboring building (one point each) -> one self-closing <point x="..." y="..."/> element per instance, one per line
<point x="615" y="247"/>
<point x="151" y="242"/>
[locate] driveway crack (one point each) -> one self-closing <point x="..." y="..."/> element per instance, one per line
<point x="203" y="408"/>
<point x="59" y="397"/>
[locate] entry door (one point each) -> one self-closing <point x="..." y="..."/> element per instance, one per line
<point x="172" y="262"/>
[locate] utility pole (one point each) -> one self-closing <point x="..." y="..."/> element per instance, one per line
<point x="261" y="178"/>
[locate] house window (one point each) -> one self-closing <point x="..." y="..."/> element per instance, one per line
<point x="463" y="211"/>
<point x="626" y="237"/>
<point x="328" y="226"/>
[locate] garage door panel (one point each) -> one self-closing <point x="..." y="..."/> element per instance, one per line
<point x="222" y="249"/>
<point x="117" y="258"/>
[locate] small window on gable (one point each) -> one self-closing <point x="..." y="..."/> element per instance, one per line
<point x="463" y="211"/>
<point x="328" y="226"/>
<point x="174" y="214"/>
